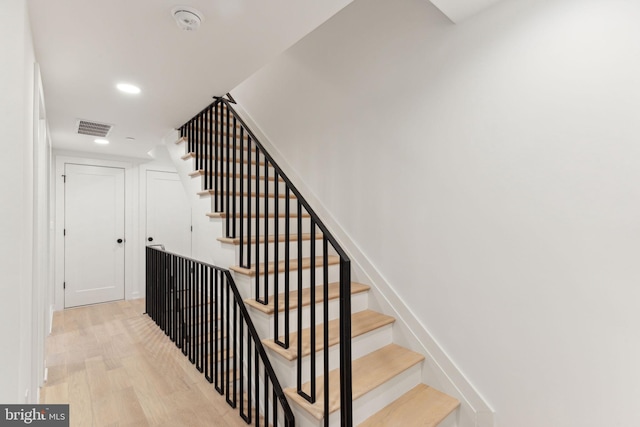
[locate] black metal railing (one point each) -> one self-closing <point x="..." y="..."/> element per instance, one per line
<point x="199" y="307"/>
<point x="261" y="207"/>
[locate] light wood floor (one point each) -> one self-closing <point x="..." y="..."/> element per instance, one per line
<point x="115" y="367"/>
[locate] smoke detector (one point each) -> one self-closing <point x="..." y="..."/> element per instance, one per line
<point x="187" y="18"/>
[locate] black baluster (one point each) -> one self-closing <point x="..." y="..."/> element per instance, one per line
<point x="249" y="376"/>
<point x="325" y="315"/>
<point x="218" y="336"/>
<point x="276" y="259"/>
<point x="236" y="321"/>
<point x="242" y="146"/>
<point x="257" y="239"/>
<point x="300" y="278"/>
<point x="346" y="377"/>
<point x="228" y="173"/>
<point x="216" y="171"/>
<point x="312" y="306"/>
<point x="265" y="180"/>
<point x="249" y="208"/>
<point x="235" y="194"/>
<point x="218" y="317"/>
<point x="287" y="257"/>
<point x="241" y="365"/>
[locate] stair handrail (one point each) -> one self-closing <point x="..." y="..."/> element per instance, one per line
<point x="154" y="308"/>
<point x="197" y="129"/>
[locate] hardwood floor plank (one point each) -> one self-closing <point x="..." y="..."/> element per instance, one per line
<point x="116" y="368"/>
<point x="58" y="393"/>
<point x="81" y="411"/>
<point x="105" y="411"/>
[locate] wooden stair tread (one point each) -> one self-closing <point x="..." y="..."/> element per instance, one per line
<point x="233" y="375"/>
<point x="369" y="372"/>
<point x="223" y="133"/>
<point x="361" y="323"/>
<point x="206" y="193"/>
<point x="212" y="125"/>
<point x="221" y="355"/>
<point x="223" y="215"/>
<point x="192" y="155"/>
<point x="293" y="265"/>
<point x="270" y="239"/>
<point x="333" y="291"/>
<point x="184" y="139"/>
<point x="201" y="333"/>
<point x="200" y="172"/>
<point x="422" y="406"/>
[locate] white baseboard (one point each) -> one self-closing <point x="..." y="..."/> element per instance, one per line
<point x="52" y="308"/>
<point x="441" y="371"/>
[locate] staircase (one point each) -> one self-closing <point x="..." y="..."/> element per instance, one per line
<point x="335" y="358"/>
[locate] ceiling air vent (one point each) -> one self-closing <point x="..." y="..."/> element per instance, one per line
<point x="86" y="127"/>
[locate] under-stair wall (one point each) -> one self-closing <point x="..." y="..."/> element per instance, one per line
<point x="205" y="247"/>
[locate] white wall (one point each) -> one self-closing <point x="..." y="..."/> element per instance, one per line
<point x="489" y="171"/>
<point x="16" y="192"/>
<point x="204" y="244"/>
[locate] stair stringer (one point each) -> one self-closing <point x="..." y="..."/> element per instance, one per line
<point x="438" y="369"/>
<point x="205" y="246"/>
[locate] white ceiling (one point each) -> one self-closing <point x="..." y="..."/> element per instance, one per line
<point x="85" y="47"/>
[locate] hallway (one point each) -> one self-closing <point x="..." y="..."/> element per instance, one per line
<point x="114" y="367"/>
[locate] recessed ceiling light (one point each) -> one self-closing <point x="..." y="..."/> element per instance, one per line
<point x="101" y="141"/>
<point x="128" y="88"/>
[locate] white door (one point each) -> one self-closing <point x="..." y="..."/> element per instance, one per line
<point x="94" y="234"/>
<point x="168" y="213"/>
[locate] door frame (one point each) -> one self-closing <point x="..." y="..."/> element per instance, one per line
<point x="130" y="180"/>
<point x="100" y="195"/>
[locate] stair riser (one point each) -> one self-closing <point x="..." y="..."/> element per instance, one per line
<point x="266" y="327"/>
<point x="368" y="404"/>
<point x="222" y="135"/>
<point x="245" y="167"/>
<point x="380" y="397"/>
<point x="360" y="346"/>
<point x="216" y="121"/>
<point x="269" y="225"/>
<point x="222" y="364"/>
<point x="222" y="150"/>
<point x="237" y="173"/>
<point x="450" y="421"/>
<point x="293" y="250"/>
<point x="246" y="284"/>
<point x="271" y="185"/>
<point x="251" y="205"/>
